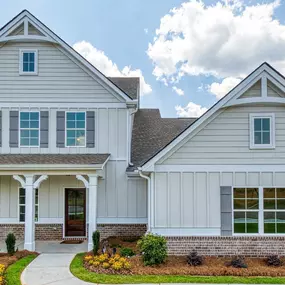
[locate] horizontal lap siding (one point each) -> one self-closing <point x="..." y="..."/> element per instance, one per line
<point x="225" y="140"/>
<point x="59" y="79"/>
<point x="191" y="200"/>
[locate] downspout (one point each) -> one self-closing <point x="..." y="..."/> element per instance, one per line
<point x="148" y="198"/>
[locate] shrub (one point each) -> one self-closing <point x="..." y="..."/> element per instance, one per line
<point x="194" y="259"/>
<point x="96" y="241"/>
<point x="117" y="265"/>
<point x="153" y="248"/>
<point x="274" y="260"/>
<point x="126" y="251"/>
<point x="105" y="265"/>
<point x="2" y="269"/>
<point x="238" y="262"/>
<point x="10" y="243"/>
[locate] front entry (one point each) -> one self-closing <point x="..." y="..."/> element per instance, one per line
<point x="75" y="212"/>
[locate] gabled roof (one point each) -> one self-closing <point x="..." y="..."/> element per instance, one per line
<point x="263" y="72"/>
<point x="130" y="85"/>
<point x="26" y="18"/>
<point x="151" y="133"/>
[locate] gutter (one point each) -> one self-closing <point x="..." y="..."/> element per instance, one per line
<point x="148" y="197"/>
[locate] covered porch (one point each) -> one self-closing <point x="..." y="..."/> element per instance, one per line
<point x="56" y="195"/>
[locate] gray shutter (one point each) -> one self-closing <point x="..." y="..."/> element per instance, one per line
<point x="44" y="129"/>
<point x="90" y="127"/>
<point x="0" y="128"/>
<point x="14" y="129"/>
<point x="60" y="129"/>
<point x="226" y="211"/>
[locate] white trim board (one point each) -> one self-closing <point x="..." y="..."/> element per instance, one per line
<point x="187" y="231"/>
<point x="263" y="70"/>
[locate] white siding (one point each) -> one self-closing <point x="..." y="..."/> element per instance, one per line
<point x="119" y="200"/>
<point x="194" y="204"/>
<point x="274" y="91"/>
<point x="59" y="79"/>
<point x="254" y="91"/>
<point x="225" y="140"/>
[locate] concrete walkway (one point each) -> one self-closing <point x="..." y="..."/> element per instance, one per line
<point x="50" y="268"/>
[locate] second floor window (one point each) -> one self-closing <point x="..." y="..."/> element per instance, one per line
<point x="28" y="62"/>
<point x="75" y="129"/>
<point x="29" y="128"/>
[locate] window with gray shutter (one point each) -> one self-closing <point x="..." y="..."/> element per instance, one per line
<point x="226" y="211"/>
<point x="14" y="129"/>
<point x="60" y="129"/>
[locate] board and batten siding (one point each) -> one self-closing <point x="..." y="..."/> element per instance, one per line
<point x="117" y="203"/>
<point x="59" y="79"/>
<point x="226" y="140"/>
<point x="188" y="203"/>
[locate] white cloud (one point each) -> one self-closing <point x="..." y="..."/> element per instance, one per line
<point x="109" y="68"/>
<point x="146" y="31"/>
<point x="221" y="89"/>
<point x="225" y="39"/>
<point x="190" y="110"/>
<point x="179" y="91"/>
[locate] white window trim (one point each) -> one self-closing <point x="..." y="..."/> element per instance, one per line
<point x="21" y="72"/>
<point x="25" y="205"/>
<point x="260" y="213"/>
<point x="85" y="129"/>
<point x="39" y="129"/>
<point x="270" y="116"/>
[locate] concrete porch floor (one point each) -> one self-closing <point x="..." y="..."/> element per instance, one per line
<point x="50" y="247"/>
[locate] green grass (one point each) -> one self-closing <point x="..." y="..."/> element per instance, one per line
<point x="77" y="269"/>
<point x="14" y="271"/>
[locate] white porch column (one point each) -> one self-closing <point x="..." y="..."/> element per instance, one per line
<point x="30" y="214"/>
<point x="28" y="183"/>
<point x="92" y="186"/>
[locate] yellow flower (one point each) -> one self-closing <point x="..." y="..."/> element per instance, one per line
<point x="117" y="257"/>
<point x="111" y="260"/>
<point x="102" y="258"/>
<point x="88" y="257"/>
<point x="96" y="263"/>
<point x="127" y="265"/>
<point x="123" y="260"/>
<point x="90" y="262"/>
<point x="117" y="265"/>
<point x="105" y="265"/>
<point x="2" y="269"/>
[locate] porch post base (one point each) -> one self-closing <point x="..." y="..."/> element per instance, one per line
<point x="30" y="246"/>
<point x="90" y="246"/>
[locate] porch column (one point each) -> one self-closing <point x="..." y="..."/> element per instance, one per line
<point x="29" y="214"/>
<point x="27" y="182"/>
<point x="92" y="196"/>
<point x="92" y="186"/>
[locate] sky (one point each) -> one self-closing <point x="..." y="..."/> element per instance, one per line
<point x="188" y="54"/>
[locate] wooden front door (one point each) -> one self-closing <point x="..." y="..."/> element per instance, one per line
<point x="75" y="212"/>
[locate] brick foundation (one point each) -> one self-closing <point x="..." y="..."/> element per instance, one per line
<point x="227" y="246"/>
<point x="55" y="231"/>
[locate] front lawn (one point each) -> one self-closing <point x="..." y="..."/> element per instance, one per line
<point x="77" y="268"/>
<point x="14" y="271"/>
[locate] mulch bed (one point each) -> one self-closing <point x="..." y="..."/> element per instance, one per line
<point x="7" y="259"/>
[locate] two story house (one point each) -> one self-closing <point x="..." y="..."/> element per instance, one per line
<point x="77" y="153"/>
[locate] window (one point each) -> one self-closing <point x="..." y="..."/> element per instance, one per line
<point x="75" y="128"/>
<point x="246" y="205"/>
<point x="22" y="204"/>
<point x="28" y="62"/>
<point x="262" y="131"/>
<point x="274" y="210"/>
<point x="259" y="210"/>
<point x="29" y="128"/>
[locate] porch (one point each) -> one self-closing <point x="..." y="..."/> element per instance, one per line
<point x="50" y="196"/>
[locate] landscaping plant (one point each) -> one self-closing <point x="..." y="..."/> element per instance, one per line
<point x="127" y="252"/>
<point x="153" y="249"/>
<point x="194" y="259"/>
<point x="96" y="241"/>
<point x="2" y="270"/>
<point x="10" y="243"/>
<point x="274" y="260"/>
<point x="238" y="262"/>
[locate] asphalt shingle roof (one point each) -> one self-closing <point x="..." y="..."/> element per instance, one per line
<point x="151" y="134"/>
<point x="87" y="159"/>
<point x="130" y="85"/>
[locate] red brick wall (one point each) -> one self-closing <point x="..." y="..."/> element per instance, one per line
<point x="49" y="231"/>
<point x="17" y="229"/>
<point x="225" y="246"/>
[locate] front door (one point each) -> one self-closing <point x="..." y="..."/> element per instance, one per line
<point x="75" y="212"/>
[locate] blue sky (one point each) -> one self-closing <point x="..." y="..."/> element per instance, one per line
<point x="199" y="46"/>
